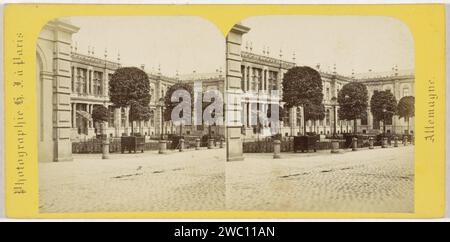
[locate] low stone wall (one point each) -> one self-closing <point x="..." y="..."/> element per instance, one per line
<point x="287" y="145"/>
<point x="95" y="146"/>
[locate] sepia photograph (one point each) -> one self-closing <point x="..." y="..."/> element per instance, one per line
<point x="285" y="113"/>
<point x="108" y="141"/>
<point x="324" y="111"/>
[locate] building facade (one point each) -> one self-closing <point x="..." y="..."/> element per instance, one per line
<point x="90" y="77"/>
<point x="71" y="84"/>
<point x="261" y="75"/>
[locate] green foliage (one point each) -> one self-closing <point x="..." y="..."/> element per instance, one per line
<point x="302" y="86"/>
<point x="100" y="114"/>
<point x="129" y="85"/>
<point x="405" y="107"/>
<point x="383" y="105"/>
<point x="169" y="105"/>
<point x="353" y="101"/>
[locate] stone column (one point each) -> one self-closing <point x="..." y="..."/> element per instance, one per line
<point x="249" y="78"/>
<point x="105" y="84"/>
<point x="127" y="121"/>
<point x="354" y="144"/>
<point x="74" y="115"/>
<point x="61" y="48"/>
<point x="244" y="77"/>
<point x="233" y="97"/>
<point x="248" y="114"/>
<point x="276" y="149"/>
<point x="266" y="80"/>
<point x="90" y="81"/>
<point x="89" y="109"/>
<point x="117" y="122"/>
<point x="369" y="119"/>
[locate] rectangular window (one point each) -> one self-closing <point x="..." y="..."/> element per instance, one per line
<point x="273" y="80"/>
<point x="98" y="83"/>
<point x="123" y="117"/>
<point x="286" y="118"/>
<point x="260" y="80"/>
<point x="111" y="122"/>
<point x="81" y="85"/>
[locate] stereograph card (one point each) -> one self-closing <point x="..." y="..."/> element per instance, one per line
<point x="224" y="111"/>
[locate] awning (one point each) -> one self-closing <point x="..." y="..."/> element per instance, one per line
<point x="85" y="115"/>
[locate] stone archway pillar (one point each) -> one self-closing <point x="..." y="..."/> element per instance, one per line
<point x="62" y="89"/>
<point x="233" y="99"/>
<point x="55" y="42"/>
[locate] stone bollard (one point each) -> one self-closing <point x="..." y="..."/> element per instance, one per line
<point x="222" y="143"/>
<point x="276" y="149"/>
<point x="105" y="148"/>
<point x="162" y="147"/>
<point x="105" y="142"/>
<point x="405" y="140"/>
<point x="354" y="144"/>
<point x="181" y="145"/>
<point x="197" y="144"/>
<point x="395" y="141"/>
<point x="210" y="143"/>
<point x="371" y="143"/>
<point x="384" y="142"/>
<point x="334" y="146"/>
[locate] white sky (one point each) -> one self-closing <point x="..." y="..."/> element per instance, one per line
<point x="350" y="42"/>
<point x="186" y="44"/>
<point x="176" y="43"/>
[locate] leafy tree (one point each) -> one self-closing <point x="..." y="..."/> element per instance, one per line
<point x="405" y="108"/>
<point x="383" y="106"/>
<point x="100" y="114"/>
<point x="169" y="105"/>
<point x="302" y="86"/>
<point x="130" y="87"/>
<point x="353" y="102"/>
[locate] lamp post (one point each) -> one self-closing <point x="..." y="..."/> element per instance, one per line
<point x="347" y="121"/>
<point x="334" y="104"/>
<point x="161" y="105"/>
<point x="162" y="142"/>
<point x="384" y="120"/>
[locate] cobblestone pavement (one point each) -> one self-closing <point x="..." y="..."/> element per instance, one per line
<point x="188" y="181"/>
<point x="380" y="180"/>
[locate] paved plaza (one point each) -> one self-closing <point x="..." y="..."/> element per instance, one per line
<point x="187" y="181"/>
<point x="380" y="180"/>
